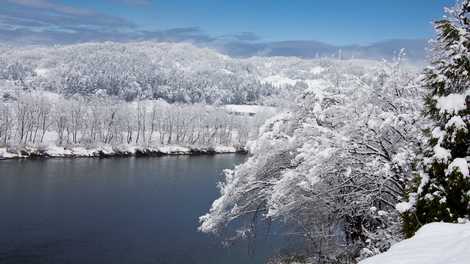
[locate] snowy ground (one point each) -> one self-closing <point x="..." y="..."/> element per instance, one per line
<point x="436" y="243"/>
<point x="250" y="109"/>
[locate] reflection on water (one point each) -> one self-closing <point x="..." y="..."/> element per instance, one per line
<point x="114" y="211"/>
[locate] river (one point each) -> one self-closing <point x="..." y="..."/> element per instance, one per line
<point x="125" y="210"/>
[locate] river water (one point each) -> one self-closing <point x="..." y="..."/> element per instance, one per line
<point x="130" y="210"/>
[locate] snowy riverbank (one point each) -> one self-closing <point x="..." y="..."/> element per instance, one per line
<point x="435" y="243"/>
<point x="107" y="151"/>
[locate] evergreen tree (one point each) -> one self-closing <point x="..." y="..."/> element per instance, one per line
<point x="441" y="190"/>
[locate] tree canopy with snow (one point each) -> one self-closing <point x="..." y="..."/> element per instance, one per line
<point x="333" y="168"/>
<point x="441" y="188"/>
<point x="174" y="72"/>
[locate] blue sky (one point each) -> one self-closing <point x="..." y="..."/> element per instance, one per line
<point x="337" y="22"/>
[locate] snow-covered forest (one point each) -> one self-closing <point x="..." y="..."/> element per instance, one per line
<point x="59" y="100"/>
<point x="348" y="156"/>
<point x="138" y="94"/>
<point x="172" y="72"/>
<point x="38" y="118"/>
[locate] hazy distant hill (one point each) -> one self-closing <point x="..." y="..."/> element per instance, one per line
<point x="232" y="46"/>
<point x="415" y="49"/>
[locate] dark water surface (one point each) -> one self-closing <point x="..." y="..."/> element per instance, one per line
<point x="114" y="211"/>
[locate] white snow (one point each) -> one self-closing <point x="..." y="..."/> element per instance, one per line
<point x="127" y="150"/>
<point x="175" y="150"/>
<point x="424" y="180"/>
<point x="382" y="213"/>
<point x="131" y="149"/>
<point x="83" y="152"/>
<point x="282" y="81"/>
<point x="435" y="243"/>
<point x="225" y="71"/>
<point x="316" y="84"/>
<point x="249" y="109"/>
<point x="441" y="154"/>
<point x="225" y="149"/>
<point x="55" y="151"/>
<point x="4" y="154"/>
<point x="278" y="81"/>
<point x="438" y="133"/>
<point x="317" y="70"/>
<point x="41" y="72"/>
<point x="457" y="122"/>
<point x="453" y="103"/>
<point x="461" y="165"/>
<point x="403" y="207"/>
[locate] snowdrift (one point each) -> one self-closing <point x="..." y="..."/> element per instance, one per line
<point x="436" y="243"/>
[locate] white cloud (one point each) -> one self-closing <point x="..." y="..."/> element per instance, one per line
<point x="52" y="6"/>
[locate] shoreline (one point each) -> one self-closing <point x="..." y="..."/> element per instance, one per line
<point x="105" y="152"/>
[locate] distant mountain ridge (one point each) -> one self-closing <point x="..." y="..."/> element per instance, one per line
<point x="415" y="49"/>
<point x="235" y="47"/>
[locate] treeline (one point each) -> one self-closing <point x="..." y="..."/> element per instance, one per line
<point x="34" y="118"/>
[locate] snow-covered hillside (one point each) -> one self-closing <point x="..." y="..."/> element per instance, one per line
<point x="436" y="243"/>
<point x="149" y="94"/>
<point x="175" y="72"/>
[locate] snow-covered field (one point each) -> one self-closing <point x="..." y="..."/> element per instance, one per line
<point x="250" y="109"/>
<point x="436" y="243"/>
